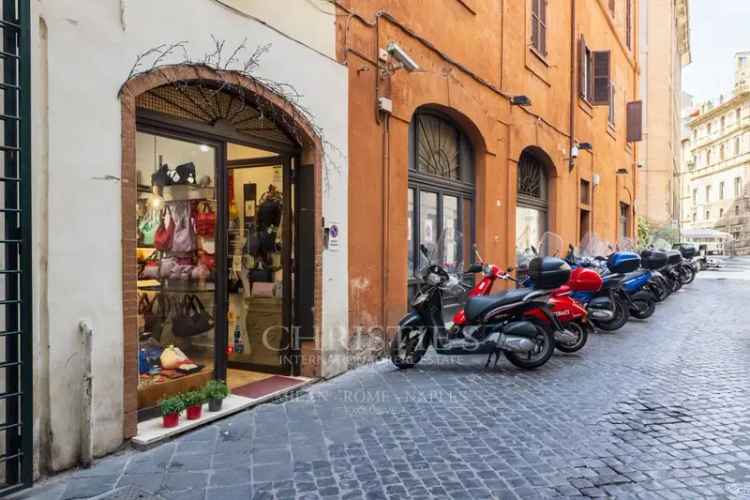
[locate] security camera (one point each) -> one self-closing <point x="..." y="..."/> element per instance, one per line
<point x="401" y="56"/>
<point x="574" y="152"/>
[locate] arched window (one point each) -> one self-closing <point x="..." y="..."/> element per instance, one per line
<point x="531" y="203"/>
<point x="441" y="189"/>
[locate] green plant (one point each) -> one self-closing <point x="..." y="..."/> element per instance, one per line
<point x="644" y="232"/>
<point x="174" y="404"/>
<point x="216" y="389"/>
<point x="191" y="398"/>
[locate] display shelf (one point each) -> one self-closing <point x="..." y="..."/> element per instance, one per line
<point x="176" y="286"/>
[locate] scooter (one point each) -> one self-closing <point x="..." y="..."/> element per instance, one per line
<point x="491" y="324"/>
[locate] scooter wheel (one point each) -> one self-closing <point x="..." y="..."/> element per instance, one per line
<point x="642" y="308"/>
<point x="408" y="347"/>
<point x="621" y="317"/>
<point x="545" y="347"/>
<point x="583" y="337"/>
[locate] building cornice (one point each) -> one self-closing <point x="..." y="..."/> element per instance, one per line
<point x="721" y="108"/>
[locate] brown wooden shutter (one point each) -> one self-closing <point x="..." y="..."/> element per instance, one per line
<point x="629" y="24"/>
<point x="601" y="78"/>
<point x="635" y="121"/>
<point x="582" y="67"/>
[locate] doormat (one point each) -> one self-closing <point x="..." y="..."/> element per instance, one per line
<point x="266" y="386"/>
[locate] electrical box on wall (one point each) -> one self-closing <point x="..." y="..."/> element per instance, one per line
<point x="385" y="105"/>
<point x="595" y="179"/>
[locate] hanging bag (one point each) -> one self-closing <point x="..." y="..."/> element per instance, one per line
<point x="183" y="239"/>
<point x="186" y="171"/>
<point x="205" y="219"/>
<point x="147" y="229"/>
<point x="165" y="231"/>
<point x="151" y="268"/>
<point x="192" y="318"/>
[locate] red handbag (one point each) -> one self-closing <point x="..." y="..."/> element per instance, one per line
<point x="207" y="259"/>
<point x="205" y="219"/>
<point x="164" y="234"/>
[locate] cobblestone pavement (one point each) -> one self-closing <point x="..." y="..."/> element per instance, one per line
<point x="660" y="409"/>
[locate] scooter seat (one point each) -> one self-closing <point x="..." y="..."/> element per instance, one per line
<point x="477" y="306"/>
<point x="611" y="281"/>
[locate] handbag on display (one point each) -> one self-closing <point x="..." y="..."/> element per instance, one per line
<point x="269" y="211"/>
<point x="152" y="322"/>
<point x="167" y="266"/>
<point x="161" y="176"/>
<point x="183" y="239"/>
<point x="165" y="232"/>
<point x="186" y="171"/>
<point x="191" y="318"/>
<point x="150" y="269"/>
<point x="147" y="229"/>
<point x="207" y="259"/>
<point x="205" y="219"/>
<point x="200" y="272"/>
<point x="172" y="357"/>
<point x="234" y="282"/>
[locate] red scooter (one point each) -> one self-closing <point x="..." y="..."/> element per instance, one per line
<point x="568" y="318"/>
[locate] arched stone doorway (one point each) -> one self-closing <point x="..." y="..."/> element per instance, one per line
<point x="441" y="190"/>
<point x="533" y="195"/>
<point x="248" y="148"/>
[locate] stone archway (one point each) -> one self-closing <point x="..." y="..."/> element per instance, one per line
<point x="295" y="122"/>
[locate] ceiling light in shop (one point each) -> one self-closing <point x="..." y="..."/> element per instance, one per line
<point x="204" y="148"/>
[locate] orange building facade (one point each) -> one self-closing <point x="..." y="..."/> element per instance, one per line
<point x="442" y="134"/>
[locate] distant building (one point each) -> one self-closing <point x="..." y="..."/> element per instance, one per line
<point x="716" y="193"/>
<point x="664" y="50"/>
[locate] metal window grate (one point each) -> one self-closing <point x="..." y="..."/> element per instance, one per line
<point x="16" y="405"/>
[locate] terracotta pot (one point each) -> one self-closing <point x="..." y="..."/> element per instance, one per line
<point x="170" y="420"/>
<point x="194" y="412"/>
<point x="215" y="404"/>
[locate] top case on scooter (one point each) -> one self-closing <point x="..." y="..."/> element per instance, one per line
<point x="653" y="259"/>
<point x="548" y="272"/>
<point x="623" y="262"/>
<point x="585" y="280"/>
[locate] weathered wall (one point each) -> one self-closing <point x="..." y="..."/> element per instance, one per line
<point x="88" y="52"/>
<point x="472" y="55"/>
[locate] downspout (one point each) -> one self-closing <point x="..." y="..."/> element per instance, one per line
<point x="571" y="160"/>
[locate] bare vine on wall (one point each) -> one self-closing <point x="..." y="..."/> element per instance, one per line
<point x="240" y="60"/>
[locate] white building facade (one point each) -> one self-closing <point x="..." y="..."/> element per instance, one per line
<point x="252" y="84"/>
<point x="718" y="170"/>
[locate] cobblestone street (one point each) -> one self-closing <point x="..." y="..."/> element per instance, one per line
<point x="659" y="409"/>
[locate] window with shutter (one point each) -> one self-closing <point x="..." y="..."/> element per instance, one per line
<point x="539" y="26"/>
<point x="629" y="23"/>
<point x="601" y="80"/>
<point x="635" y="121"/>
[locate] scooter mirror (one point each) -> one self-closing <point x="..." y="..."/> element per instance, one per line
<point x="533" y="249"/>
<point x="425" y="251"/>
<point x="474" y="268"/>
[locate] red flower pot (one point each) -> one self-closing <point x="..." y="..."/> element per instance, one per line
<point x="194" y="412"/>
<point x="170" y="420"/>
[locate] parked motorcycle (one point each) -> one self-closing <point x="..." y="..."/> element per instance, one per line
<point x="493" y="324"/>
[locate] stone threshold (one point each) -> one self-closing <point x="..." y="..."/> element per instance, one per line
<point x="151" y="432"/>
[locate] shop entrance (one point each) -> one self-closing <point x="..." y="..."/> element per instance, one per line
<point x="217" y="239"/>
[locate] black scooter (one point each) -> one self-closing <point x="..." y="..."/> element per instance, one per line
<point x="494" y="324"/>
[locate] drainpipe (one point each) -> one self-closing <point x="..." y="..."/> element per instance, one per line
<point x="571" y="160"/>
<point x="87" y="423"/>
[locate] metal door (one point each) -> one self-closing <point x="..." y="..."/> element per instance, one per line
<point x="16" y="405"/>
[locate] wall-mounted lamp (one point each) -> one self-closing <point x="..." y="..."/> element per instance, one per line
<point x="520" y="100"/>
<point x="585" y="146"/>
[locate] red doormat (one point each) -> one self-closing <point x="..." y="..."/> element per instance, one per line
<point x="266" y="386"/>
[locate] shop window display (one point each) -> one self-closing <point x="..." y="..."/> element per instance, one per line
<point x="176" y="226"/>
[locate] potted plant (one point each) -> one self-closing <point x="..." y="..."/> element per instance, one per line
<point x="193" y="401"/>
<point x="216" y="391"/>
<point x="170" y="410"/>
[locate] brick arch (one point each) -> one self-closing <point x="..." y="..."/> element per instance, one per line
<point x="312" y="153"/>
